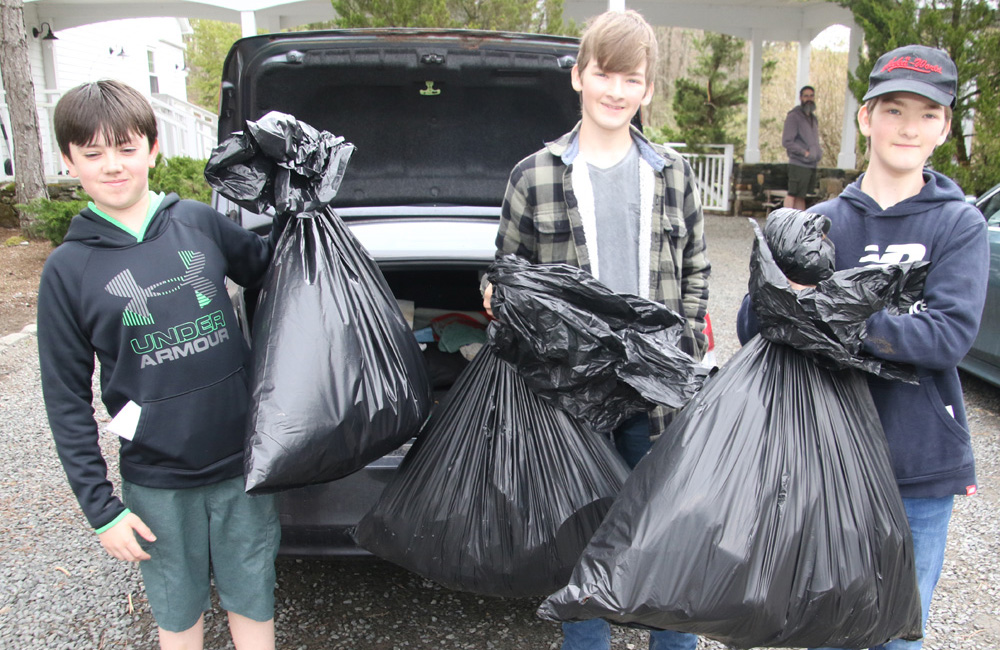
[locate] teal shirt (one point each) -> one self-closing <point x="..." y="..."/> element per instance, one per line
<point x="154" y="204"/>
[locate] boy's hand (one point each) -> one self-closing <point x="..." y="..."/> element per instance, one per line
<point x="488" y="299"/>
<point x="120" y="542"/>
<point x="799" y="287"/>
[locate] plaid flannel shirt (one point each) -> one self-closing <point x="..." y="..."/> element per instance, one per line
<point x="541" y="222"/>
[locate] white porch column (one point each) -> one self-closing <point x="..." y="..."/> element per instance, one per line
<point x="847" y="159"/>
<point x="248" y="21"/>
<point x="752" y="153"/>
<point x="802" y="72"/>
<point x="616" y="5"/>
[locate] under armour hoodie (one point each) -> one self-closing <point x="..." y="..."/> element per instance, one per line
<point x="155" y="311"/>
<point x="925" y="424"/>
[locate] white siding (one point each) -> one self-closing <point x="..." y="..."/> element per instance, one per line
<point x="122" y="50"/>
<point x="119" y="50"/>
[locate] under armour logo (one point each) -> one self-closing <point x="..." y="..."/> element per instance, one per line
<point x="137" y="312"/>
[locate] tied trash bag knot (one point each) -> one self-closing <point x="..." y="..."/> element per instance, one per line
<point x="827" y="322"/>
<point x="279" y="163"/>
<point x="799" y="245"/>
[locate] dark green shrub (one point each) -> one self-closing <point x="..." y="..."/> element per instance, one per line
<point x="50" y="219"/>
<point x="180" y="174"/>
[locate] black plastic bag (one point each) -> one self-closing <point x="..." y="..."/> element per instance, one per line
<point x="599" y="355"/>
<point x="500" y="492"/>
<point x="279" y="163"/>
<point x="799" y="244"/>
<point x="338" y="379"/>
<point x="767" y="514"/>
<point x="827" y="322"/>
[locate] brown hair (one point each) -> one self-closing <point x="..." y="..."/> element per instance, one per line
<point x="618" y="41"/>
<point x="107" y="107"/>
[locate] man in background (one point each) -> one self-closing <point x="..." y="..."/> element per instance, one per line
<point x="800" y="138"/>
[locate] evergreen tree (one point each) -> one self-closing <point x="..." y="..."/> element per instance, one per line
<point x="206" y="52"/>
<point x="707" y="103"/>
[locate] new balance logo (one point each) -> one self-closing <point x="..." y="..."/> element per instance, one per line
<point x="894" y="254"/>
<point x="137" y="312"/>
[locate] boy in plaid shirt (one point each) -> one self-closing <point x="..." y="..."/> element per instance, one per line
<point x="605" y="199"/>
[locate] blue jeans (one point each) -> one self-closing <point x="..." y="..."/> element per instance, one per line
<point x="929" y="520"/>
<point x="632" y="442"/>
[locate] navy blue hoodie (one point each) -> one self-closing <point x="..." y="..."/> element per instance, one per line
<point x="157" y="315"/>
<point x="925" y="424"/>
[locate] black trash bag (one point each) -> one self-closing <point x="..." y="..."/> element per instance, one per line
<point x="338" y="379"/>
<point x="799" y="244"/>
<point x="500" y="492"/>
<point x="279" y="163"/>
<point x="828" y="322"/>
<point x="767" y="515"/>
<point x="599" y="355"/>
<point x="237" y="171"/>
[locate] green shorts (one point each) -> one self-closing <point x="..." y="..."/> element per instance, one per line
<point x="216" y="528"/>
<point x="801" y="180"/>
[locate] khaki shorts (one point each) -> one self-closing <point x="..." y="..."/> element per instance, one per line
<point x="801" y="180"/>
<point x="217" y="528"/>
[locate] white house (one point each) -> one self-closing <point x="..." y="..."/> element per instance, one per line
<point x="146" y="53"/>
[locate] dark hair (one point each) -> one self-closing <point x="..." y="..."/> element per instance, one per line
<point x="106" y="107"/>
<point x="619" y="41"/>
<point x="805" y="88"/>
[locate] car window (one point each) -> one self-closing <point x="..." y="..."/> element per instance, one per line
<point x="991" y="209"/>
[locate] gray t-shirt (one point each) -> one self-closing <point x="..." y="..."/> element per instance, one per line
<point x="616" y="207"/>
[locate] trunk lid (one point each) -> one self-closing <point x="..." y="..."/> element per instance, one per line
<point x="439" y="117"/>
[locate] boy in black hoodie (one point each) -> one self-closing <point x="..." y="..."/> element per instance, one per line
<point x="900" y="211"/>
<point x="139" y="281"/>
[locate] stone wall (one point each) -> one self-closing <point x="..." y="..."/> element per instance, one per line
<point x="8" y="215"/>
<point x="62" y="191"/>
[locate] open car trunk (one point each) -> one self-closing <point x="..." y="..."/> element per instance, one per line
<point x="437" y="116"/>
<point x="439" y="119"/>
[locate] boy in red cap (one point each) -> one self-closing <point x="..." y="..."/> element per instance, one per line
<point x="900" y="211"/>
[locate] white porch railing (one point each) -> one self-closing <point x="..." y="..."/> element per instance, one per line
<point x="185" y="129"/>
<point x="713" y="172"/>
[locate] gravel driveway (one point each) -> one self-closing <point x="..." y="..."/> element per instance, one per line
<point x="59" y="590"/>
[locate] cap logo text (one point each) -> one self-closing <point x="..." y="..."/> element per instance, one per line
<point x="917" y="65"/>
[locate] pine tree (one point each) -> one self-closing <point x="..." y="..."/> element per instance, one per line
<point x="707" y="103"/>
<point x="206" y="52"/>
